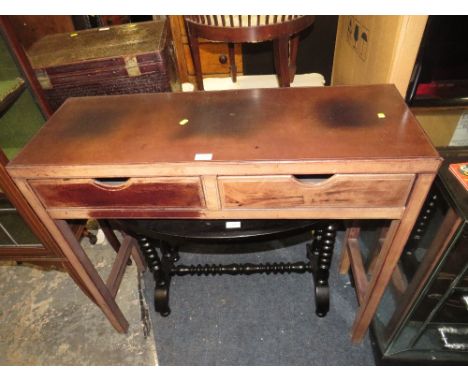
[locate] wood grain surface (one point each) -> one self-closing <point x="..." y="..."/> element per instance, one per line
<point x="340" y="123"/>
<point x="338" y="190"/>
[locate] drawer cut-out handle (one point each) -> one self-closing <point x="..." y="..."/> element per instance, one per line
<point x="314" y="178"/>
<point x="111" y="182"/>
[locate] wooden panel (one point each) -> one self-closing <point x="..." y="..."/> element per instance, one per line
<point x="386" y="54"/>
<point x="210" y="189"/>
<point x="234" y="168"/>
<point x="125" y="193"/>
<point x="337" y="191"/>
<point x="232" y="213"/>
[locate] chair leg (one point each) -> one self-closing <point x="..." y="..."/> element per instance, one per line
<point x="281" y="52"/>
<point x="293" y="47"/>
<point x="195" y="50"/>
<point x="232" y="62"/>
<point x="109" y="234"/>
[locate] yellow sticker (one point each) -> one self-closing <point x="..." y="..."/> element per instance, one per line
<point x="73" y="34"/>
<point x="381" y="115"/>
<point x="183" y="122"/>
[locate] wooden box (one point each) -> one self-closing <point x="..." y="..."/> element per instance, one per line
<point x="124" y="59"/>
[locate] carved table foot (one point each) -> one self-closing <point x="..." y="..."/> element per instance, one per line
<point x="161" y="267"/>
<point x="320" y="253"/>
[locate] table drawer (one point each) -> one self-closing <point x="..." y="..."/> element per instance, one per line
<point x="184" y="192"/>
<point x="339" y="190"/>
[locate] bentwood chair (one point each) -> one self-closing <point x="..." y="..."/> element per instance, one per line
<point x="282" y="30"/>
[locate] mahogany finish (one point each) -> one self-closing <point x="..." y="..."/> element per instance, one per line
<point x="257" y="162"/>
<point x="334" y="123"/>
<point x="133" y="193"/>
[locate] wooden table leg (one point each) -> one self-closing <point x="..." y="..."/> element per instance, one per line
<point x="109" y="234"/>
<point x="352" y="232"/>
<point x="397" y="236"/>
<point x="78" y="260"/>
<point x="85" y="268"/>
<point x="344" y="258"/>
<point x="374" y="255"/>
<point x="78" y="281"/>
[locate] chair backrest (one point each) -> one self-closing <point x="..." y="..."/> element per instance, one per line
<point x="240" y="20"/>
<point x="246" y="28"/>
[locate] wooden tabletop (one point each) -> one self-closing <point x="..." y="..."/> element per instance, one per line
<point x="285" y="124"/>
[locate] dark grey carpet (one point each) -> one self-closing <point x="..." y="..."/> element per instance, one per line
<point x="257" y="319"/>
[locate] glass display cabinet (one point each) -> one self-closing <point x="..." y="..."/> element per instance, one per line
<point x="23" y="110"/>
<point x="20" y="118"/>
<point x="423" y="317"/>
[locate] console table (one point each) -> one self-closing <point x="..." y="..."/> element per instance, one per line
<point x="301" y="153"/>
